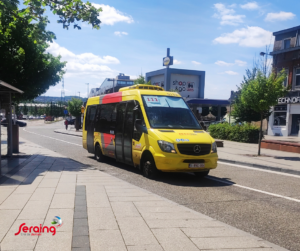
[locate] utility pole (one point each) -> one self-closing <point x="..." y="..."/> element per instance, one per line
<point x="79" y="94"/>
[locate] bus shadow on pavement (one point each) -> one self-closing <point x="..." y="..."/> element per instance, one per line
<point x="26" y="172"/>
<point x="171" y="178"/>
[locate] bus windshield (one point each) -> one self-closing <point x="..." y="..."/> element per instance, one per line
<point x="169" y="112"/>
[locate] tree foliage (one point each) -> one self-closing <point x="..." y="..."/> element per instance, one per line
<point x="263" y="92"/>
<point x="74" y="107"/>
<point x="242" y="112"/>
<point x="141" y="81"/>
<point x="24" y="40"/>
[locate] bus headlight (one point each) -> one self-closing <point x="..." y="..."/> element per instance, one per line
<point x="214" y="147"/>
<point x="166" y="146"/>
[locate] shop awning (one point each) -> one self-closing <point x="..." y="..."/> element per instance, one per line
<point x="212" y="102"/>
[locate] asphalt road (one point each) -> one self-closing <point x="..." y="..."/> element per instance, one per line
<point x="248" y="199"/>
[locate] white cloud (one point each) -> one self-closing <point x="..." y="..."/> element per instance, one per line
<point x="222" y="63"/>
<point x="280" y="16"/>
<point x="226" y="15"/>
<point x="231" y="72"/>
<point x="236" y="62"/>
<point x="196" y="63"/>
<point x="252" y="36"/>
<point x="250" y="6"/>
<point x="83" y="64"/>
<point x="240" y="63"/>
<point x="120" y="33"/>
<point x="110" y="15"/>
<point x="177" y="61"/>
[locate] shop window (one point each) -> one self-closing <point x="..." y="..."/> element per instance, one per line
<point x="279" y="119"/>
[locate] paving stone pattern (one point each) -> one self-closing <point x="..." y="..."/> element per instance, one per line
<point x="101" y="212"/>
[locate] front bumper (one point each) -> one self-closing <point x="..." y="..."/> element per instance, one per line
<point x="178" y="163"/>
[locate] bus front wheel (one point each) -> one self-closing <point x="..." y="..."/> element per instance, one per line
<point x="98" y="154"/>
<point x="149" y="169"/>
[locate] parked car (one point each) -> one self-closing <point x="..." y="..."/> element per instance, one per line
<point x="25" y="117"/>
<point x="49" y="118"/>
<point x="4" y="122"/>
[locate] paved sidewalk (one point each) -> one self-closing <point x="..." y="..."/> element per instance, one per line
<point x="235" y="152"/>
<point x="101" y="212"/>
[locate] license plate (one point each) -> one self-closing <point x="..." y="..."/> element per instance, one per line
<point x="196" y="165"/>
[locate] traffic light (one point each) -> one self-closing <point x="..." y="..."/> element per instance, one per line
<point x="82" y="109"/>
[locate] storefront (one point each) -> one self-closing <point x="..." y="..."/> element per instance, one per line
<point x="285" y="117"/>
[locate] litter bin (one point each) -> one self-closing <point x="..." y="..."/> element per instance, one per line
<point x="15" y="138"/>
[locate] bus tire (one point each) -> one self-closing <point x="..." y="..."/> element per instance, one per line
<point x="98" y="154"/>
<point x="201" y="175"/>
<point x="149" y="169"/>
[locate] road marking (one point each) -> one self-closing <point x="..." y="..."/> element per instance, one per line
<point x="252" y="189"/>
<point x="52" y="138"/>
<point x="260" y="169"/>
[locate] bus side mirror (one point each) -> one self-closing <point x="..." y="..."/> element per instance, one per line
<point x="140" y="127"/>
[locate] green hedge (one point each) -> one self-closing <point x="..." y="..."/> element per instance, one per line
<point x="240" y="133"/>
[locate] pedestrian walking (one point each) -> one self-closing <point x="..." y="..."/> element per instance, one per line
<point x="66" y="124"/>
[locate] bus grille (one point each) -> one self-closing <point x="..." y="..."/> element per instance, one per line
<point x="194" y="149"/>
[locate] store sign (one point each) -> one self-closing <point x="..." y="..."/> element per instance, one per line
<point x="185" y="85"/>
<point x="287" y="100"/>
<point x="167" y="61"/>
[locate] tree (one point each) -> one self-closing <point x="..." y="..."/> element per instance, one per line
<point x="74" y="107"/>
<point x="242" y="112"/>
<point x="141" y="81"/>
<point x="25" y="109"/>
<point x="214" y="111"/>
<point x="263" y="92"/>
<point x="24" y="40"/>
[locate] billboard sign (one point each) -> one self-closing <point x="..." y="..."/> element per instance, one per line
<point x="186" y="85"/>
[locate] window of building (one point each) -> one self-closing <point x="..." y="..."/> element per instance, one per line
<point x="279" y="119"/>
<point x="297" y="84"/>
<point x="287" y="43"/>
<point x="285" y="82"/>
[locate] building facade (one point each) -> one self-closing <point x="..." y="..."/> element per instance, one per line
<point x="189" y="83"/>
<point x="111" y="85"/>
<point x="285" y="117"/>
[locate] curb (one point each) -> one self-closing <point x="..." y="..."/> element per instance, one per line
<point x="277" y="169"/>
<point x="68" y="133"/>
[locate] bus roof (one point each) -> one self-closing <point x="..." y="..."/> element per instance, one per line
<point x="143" y="87"/>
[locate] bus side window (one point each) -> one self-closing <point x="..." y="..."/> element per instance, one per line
<point x="86" y="121"/>
<point x="92" y="114"/>
<point x="97" y="118"/>
<point x="137" y="115"/>
<point x="107" y="118"/>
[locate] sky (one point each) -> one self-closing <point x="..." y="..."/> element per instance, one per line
<point x="222" y="38"/>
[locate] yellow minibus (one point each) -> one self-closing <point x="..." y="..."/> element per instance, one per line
<point x="149" y="128"/>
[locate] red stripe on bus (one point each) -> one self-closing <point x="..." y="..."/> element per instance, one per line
<point x="112" y="98"/>
<point x="108" y="138"/>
